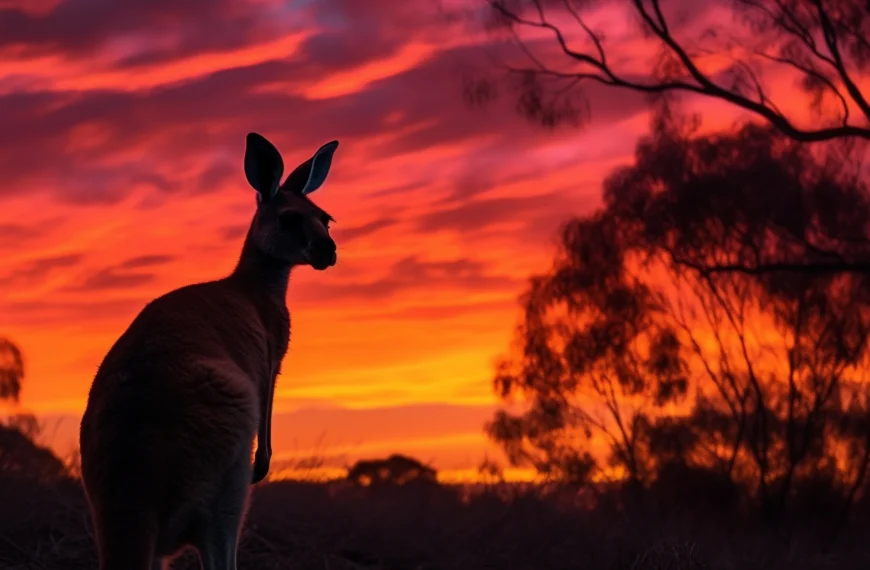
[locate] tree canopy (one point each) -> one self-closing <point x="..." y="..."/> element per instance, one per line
<point x="631" y="344"/>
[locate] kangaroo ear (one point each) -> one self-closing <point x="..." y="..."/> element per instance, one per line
<point x="310" y="175"/>
<point x="263" y="165"/>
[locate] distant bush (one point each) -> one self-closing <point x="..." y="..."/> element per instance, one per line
<point x="394" y="470"/>
<point x="21" y="457"/>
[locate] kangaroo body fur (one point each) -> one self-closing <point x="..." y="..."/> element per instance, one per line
<point x="167" y="435"/>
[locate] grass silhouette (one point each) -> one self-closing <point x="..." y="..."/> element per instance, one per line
<point x="336" y="525"/>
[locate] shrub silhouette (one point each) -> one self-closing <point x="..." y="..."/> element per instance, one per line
<point x="21" y="458"/>
<point x="396" y="469"/>
<point x="697" y="488"/>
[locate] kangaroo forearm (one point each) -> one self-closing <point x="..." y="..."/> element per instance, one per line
<point x="265" y="433"/>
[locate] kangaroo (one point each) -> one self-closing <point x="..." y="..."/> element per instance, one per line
<point x="167" y="437"/>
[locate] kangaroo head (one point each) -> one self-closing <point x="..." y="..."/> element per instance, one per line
<point x="288" y="225"/>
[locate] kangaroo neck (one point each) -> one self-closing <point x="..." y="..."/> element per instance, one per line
<point x="261" y="274"/>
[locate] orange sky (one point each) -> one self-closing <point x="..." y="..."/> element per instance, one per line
<point x="121" y="142"/>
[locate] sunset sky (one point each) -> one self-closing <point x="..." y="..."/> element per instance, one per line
<point x="122" y="128"/>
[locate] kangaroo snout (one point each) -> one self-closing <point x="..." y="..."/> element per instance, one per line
<point x="322" y="253"/>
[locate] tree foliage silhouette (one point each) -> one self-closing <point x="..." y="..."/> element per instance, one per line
<point x="11" y="370"/>
<point x="632" y="343"/>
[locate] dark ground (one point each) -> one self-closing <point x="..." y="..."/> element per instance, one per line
<point x="298" y="525"/>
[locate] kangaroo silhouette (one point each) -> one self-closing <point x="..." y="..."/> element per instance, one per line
<point x="168" y="433"/>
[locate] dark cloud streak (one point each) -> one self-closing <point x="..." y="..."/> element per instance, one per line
<point x="36" y="270"/>
<point x="82" y="29"/>
<point x="411" y="273"/>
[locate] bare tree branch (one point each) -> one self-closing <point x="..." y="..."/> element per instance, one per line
<point x="790" y="23"/>
<point x="831" y="40"/>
